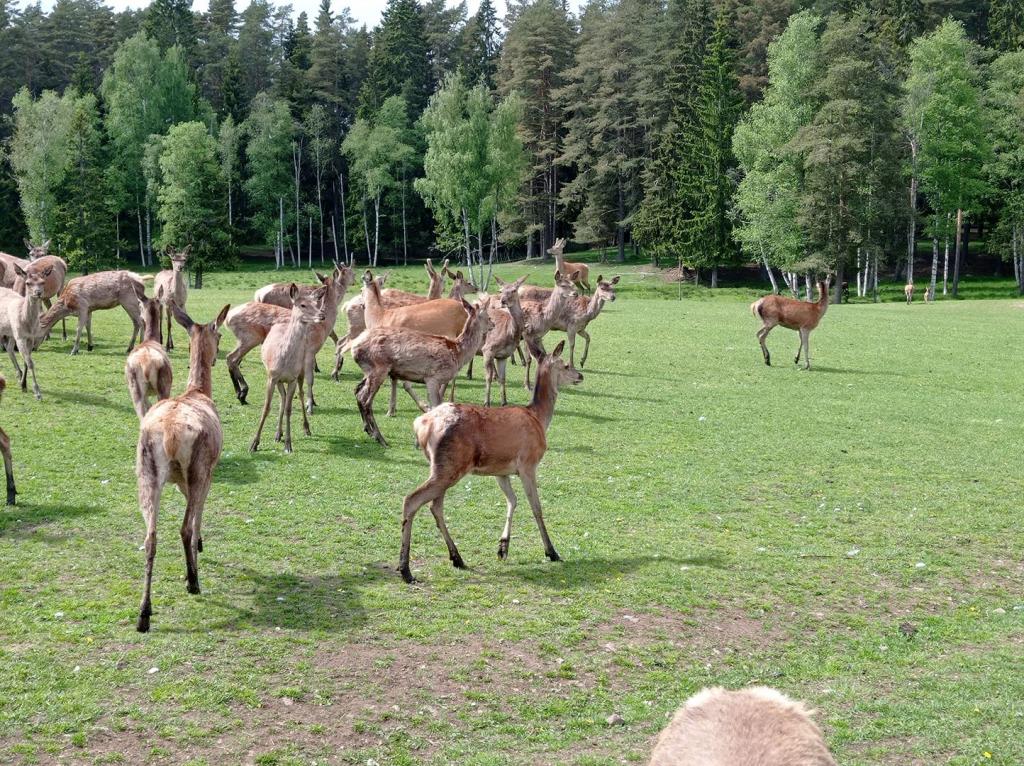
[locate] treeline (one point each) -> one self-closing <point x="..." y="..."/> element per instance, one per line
<point x="803" y="135"/>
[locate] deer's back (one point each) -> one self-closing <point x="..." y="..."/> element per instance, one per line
<point x="102" y="290"/>
<point x="256" y="316"/>
<point x="442" y="316"/>
<point x="408" y="354"/>
<point x="184" y="429"/>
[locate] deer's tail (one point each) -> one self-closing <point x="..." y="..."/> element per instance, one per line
<point x="755" y="308"/>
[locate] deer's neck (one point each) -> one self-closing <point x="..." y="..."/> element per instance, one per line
<point x="29" y="313"/>
<point x="591" y="308"/>
<point x="436" y="289"/>
<point x="469" y="341"/>
<point x="560" y="262"/>
<point x="200" y="369"/>
<point x="372" y="307"/>
<point x="518" y="318"/>
<point x="154" y="331"/>
<point x="552" y="308"/>
<point x="544" y="395"/>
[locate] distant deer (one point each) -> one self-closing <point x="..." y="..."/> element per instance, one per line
<point x="908" y="291"/>
<point x="103" y="290"/>
<point x="503" y="338"/>
<point x="578" y="313"/>
<point x="5" y="448"/>
<point x="541" y="317"/>
<point x="792" y="314"/>
<point x="172" y="284"/>
<point x="39" y="261"/>
<point x="459" y="439"/>
<point x="180" y="440"/>
<point x="148" y="368"/>
<point x="391" y="298"/>
<point x="568" y="267"/>
<point x="413" y="356"/>
<point x="758" y="726"/>
<point x="929" y="294"/>
<point x="284" y="357"/>
<point x="21" y="324"/>
<point x="278" y="292"/>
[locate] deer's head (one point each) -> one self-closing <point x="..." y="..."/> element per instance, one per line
<point x="606" y="290"/>
<point x="509" y="294"/>
<point x="35" y="252"/>
<point x="308" y="306"/>
<point x="561" y="373"/>
<point x="566" y="285"/>
<point x="204" y="338"/>
<point x="35" y="281"/>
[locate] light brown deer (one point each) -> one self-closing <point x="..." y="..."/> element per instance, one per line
<point x="278" y="292"/>
<point x="929" y="294"/>
<point x="39" y="261"/>
<point x="503" y="339"/>
<point x="459" y="439"/>
<point x="413" y="356"/>
<point x="391" y="298"/>
<point x="180" y="440"/>
<point x="284" y="357"/>
<point x="792" y="314"/>
<point x="5" y="449"/>
<point x="758" y="726"/>
<point x="8" y="276"/>
<point x="20" y="322"/>
<point x="82" y="296"/>
<point x="148" y="368"/>
<point x="578" y="313"/>
<point x="568" y="267"/>
<point x="908" y="291"/>
<point x="541" y="317"/>
<point x="172" y="284"/>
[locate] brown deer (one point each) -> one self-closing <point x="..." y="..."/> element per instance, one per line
<point x="503" y="339"/>
<point x="20" y="322"/>
<point x="148" y="368"/>
<point x="5" y="448"/>
<point x="180" y="440"/>
<point x="172" y="284"/>
<point x="568" y="267"/>
<point x="278" y="292"/>
<point x="459" y="439"/>
<point x="792" y="314"/>
<point x="541" y="317"/>
<point x="578" y="313"/>
<point x="758" y="726"/>
<point x="40" y="261"/>
<point x="413" y="356"/>
<point x="103" y="290"/>
<point x="7" y="274"/>
<point x="929" y="294"/>
<point x="908" y="291"/>
<point x="284" y="357"/>
<point x="391" y="298"/>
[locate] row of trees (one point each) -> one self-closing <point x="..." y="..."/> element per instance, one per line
<point x="678" y="126"/>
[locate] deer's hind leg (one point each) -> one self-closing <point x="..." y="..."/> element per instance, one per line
<point x="506" y="534"/>
<point x="429" y="491"/>
<point x="152" y="473"/>
<point x="5" y="448"/>
<point x="529" y="479"/>
<point x="762" y="335"/>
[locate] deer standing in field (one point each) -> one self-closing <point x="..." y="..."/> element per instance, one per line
<point x="578" y="313"/>
<point x="459" y="439"/>
<point x="793" y="314"/>
<point x="908" y="291"/>
<point x="929" y="294"/>
<point x="148" y="368"/>
<point x="413" y="356"/>
<point x="180" y="440"/>
<point x="8" y="276"/>
<point x="541" y="317"/>
<point x="278" y="292"/>
<point x="758" y="726"/>
<point x="503" y="338"/>
<point x="103" y="290"/>
<point x="20" y="322"/>
<point x="5" y="449"/>
<point x="39" y="261"/>
<point x="391" y="298"/>
<point x="284" y="357"/>
<point x="173" y="286"/>
<point x="568" y="267"/>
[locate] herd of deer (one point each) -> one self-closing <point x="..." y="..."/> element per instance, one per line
<point x="392" y="334"/>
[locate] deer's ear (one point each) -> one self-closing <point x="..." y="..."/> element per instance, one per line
<point x="558" y="349"/>
<point x="19" y="271"/>
<point x="467" y="306"/>
<point x="181" y="317"/>
<point x="558" y="275"/>
<point x="499" y="281"/>
<point x="322" y="279"/>
<point x="28" y="245"/>
<point x="600" y="278"/>
<point x="221" y="317"/>
<point x="458" y="275"/>
<point x="48" y="271"/>
<point x="519" y="282"/>
<point x="293" y="291"/>
<point x="574" y="276"/>
<point x="429" y="266"/>
<point x="615" y="279"/>
<point x="159" y="293"/>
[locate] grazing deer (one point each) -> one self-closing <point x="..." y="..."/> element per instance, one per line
<point x="20" y="322"/>
<point x="541" y="317"/>
<point x="180" y="440"/>
<point x="103" y="290"/>
<point x="793" y="314"/>
<point x="391" y="298"/>
<point x="503" y="339"/>
<point x="284" y="357"/>
<point x="39" y="261"/>
<point x="172" y="284"/>
<point x="413" y="356"/>
<point x="459" y="439"/>
<point x="5" y="448"/>
<point x="568" y="267"/>
<point x="908" y="291"/>
<point x="148" y="368"/>
<point x="758" y="726"/>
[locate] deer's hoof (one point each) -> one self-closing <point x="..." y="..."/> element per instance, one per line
<point x="457" y="562"/>
<point x="503" y="549"/>
<point x="553" y="555"/>
<point x="407" y="575"/>
<point x="143" y="624"/>
<point x="254" y="446"/>
<point x="199" y="545"/>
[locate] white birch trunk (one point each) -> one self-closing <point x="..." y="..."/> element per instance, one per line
<point x="334" y="235"/>
<point x="935" y="265"/>
<point x="344" y="220"/>
<point x="376" y="228"/>
<point x="810" y="291"/>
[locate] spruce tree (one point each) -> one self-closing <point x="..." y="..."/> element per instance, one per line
<point x="399" y="63"/>
<point x="170" y="23"/>
<point x="483" y="46"/>
<point x="1006" y="25"/>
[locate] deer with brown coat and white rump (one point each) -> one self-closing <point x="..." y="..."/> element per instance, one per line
<point x="148" y="368"/>
<point x="908" y="291"/>
<point x="792" y="314"/>
<point x="173" y="286"/>
<point x="459" y="439"/>
<point x="578" y="313"/>
<point x="413" y="356"/>
<point x="82" y="296"/>
<point x="180" y="440"/>
<point x="284" y="354"/>
<point x="541" y="317"/>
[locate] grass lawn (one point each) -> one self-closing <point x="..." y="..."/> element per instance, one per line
<point x="720" y="523"/>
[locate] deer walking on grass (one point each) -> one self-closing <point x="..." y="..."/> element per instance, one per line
<point x="459" y="439"/>
<point x="148" y="368"/>
<point x="503" y="338"/>
<point x="578" y="313"/>
<point x="173" y="286"/>
<point x="413" y="356"/>
<point x="5" y="449"/>
<point x="82" y="296"/>
<point x="180" y="440"/>
<point x="284" y="354"/>
<point x="581" y="281"/>
<point x="278" y="292"/>
<point x="792" y="314"/>
<point x="541" y="317"/>
<point x="21" y="324"/>
<point x="758" y="726"/>
<point x="908" y="291"/>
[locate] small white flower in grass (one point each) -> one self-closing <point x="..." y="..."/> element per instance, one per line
<point x="761" y="549"/>
<point x="249" y="521"/>
<point x="153" y="670"/>
<point x="701" y="419"/>
<point x="515" y="601"/>
<point x="77" y="669"/>
<point x="683" y="568"/>
<point x="58" y="615"/>
<point x="630" y="618"/>
<point x="920" y="565"/>
<point x="280" y="598"/>
<point x="998" y="610"/>
<point x="105" y="481"/>
<point x="853" y="552"/>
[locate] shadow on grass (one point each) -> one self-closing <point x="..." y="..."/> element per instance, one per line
<point x="79" y="397"/>
<point x="22" y="521"/>
<point x="576" y="573"/>
<point x="365" y="448"/>
<point x="241" y="468"/>
<point x="833" y="370"/>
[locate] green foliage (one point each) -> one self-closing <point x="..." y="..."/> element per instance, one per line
<point x="399" y="64"/>
<point x="483" y="46"/>
<point x="268" y="152"/>
<point x="1004" y="101"/>
<point x="1006" y="25"/>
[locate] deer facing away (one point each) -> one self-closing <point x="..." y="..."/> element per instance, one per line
<point x="758" y="726"/>
<point x="793" y="314"/>
<point x="180" y="440"/>
<point x="908" y="291"/>
<point x="147" y="369"/>
<point x="173" y="286"/>
<point x="459" y="439"/>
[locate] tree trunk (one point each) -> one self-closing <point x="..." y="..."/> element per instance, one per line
<point x="945" y="261"/>
<point x="311" y="244"/>
<point x="149" y="236"/>
<point x="297" y="164"/>
<point x="280" y="229"/>
<point x="199" y="277"/>
<point x="376" y="228"/>
<point x="771" y="274"/>
<point x="837" y="289"/>
<point x="117" y="238"/>
<point x="366" y="231"/>
<point x="1018" y="267"/>
<point x="320" y="204"/>
<point x="334" y="236"/>
<point x="714" y="277"/>
<point x="494" y="251"/>
<point x="405" y="237"/>
<point x="620" y="233"/>
<point x="956" y="260"/>
<point x="142" y="241"/>
<point x="344" y="219"/>
<point x="912" y="223"/>
<point x="469" y="247"/>
<point x="231" y="211"/>
<point x="807" y="285"/>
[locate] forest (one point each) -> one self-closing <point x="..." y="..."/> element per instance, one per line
<point x="857" y="138"/>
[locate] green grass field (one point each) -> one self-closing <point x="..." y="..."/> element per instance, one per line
<point x="720" y="523"/>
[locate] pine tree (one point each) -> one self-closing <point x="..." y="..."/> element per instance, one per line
<point x="256" y="48"/>
<point x="1005" y="103"/>
<point x="1006" y="25"/>
<point x="483" y="46"/>
<point x="218" y="53"/>
<point x="170" y="23"/>
<point x="292" y="82"/>
<point x="399" y="62"/>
